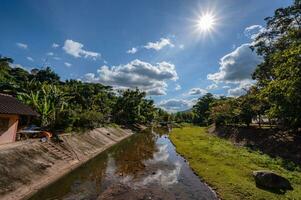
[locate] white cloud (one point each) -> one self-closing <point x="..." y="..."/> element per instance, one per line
<point x="236" y="92"/>
<point x="90" y="77"/>
<point x="12" y="65"/>
<point x="156" y="91"/>
<point x="226" y="87"/>
<point x="50" y="54"/>
<point x="181" y="46"/>
<point x="22" y="45"/>
<point x="136" y="74"/>
<point x="30" y="58"/>
<point x="253" y="31"/>
<point x="237" y="66"/>
<point x="132" y="50"/>
<point x="178" y="87"/>
<point x="158" y="45"/>
<point x="173" y="105"/>
<point x="212" y="86"/>
<point x="55" y="45"/>
<point x="68" y="64"/>
<point x="197" y="91"/>
<point x="241" y="89"/>
<point x="76" y="49"/>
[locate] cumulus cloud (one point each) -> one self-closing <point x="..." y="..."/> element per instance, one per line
<point x="158" y="45"/>
<point x="30" y="58"/>
<point x="161" y="90"/>
<point x="22" y="45"/>
<point x="237" y="66"/>
<point x="132" y="50"/>
<point x="136" y="74"/>
<point x="241" y="89"/>
<point x="197" y="91"/>
<point x="68" y="64"/>
<point x="253" y="31"/>
<point x="55" y="45"/>
<point x="173" y="105"/>
<point x="212" y="86"/>
<point x="178" y="87"/>
<point x="76" y="49"/>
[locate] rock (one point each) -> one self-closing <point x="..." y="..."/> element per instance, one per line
<point x="271" y="180"/>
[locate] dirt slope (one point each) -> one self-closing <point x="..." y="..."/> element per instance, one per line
<point x="27" y="166"/>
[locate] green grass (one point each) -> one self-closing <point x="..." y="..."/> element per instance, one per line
<point x="227" y="168"/>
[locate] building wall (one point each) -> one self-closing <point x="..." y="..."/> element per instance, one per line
<point x="8" y="134"/>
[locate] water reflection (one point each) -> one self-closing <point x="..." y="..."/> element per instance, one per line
<point x="130" y="160"/>
<point x="141" y="167"/>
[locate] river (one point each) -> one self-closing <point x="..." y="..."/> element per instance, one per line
<point x="144" y="166"/>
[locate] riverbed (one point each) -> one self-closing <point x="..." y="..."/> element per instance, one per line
<point x="144" y="166"/>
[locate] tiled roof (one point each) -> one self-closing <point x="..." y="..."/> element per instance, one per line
<point x="10" y="105"/>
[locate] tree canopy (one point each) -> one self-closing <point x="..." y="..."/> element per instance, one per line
<point x="73" y="104"/>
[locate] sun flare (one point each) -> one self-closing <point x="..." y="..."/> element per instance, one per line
<point x="206" y="23"/>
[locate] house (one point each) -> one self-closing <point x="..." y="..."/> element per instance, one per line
<point x="11" y="111"/>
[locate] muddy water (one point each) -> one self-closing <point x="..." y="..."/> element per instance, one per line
<point x="144" y="166"/>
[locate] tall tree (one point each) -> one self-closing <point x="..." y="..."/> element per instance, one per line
<point x="202" y="107"/>
<point x="279" y="75"/>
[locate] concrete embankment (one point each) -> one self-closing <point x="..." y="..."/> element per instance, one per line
<point x="27" y="166"/>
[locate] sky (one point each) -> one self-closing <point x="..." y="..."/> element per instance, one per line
<point x="175" y="50"/>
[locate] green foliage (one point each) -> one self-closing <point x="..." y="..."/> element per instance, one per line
<point x="49" y="101"/>
<point x="201" y="109"/>
<point x="185" y="116"/>
<point x="132" y="107"/>
<point x="279" y="75"/>
<point x="73" y="104"/>
<point x="89" y="119"/>
<point x="163" y="116"/>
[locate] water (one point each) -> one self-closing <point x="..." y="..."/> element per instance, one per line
<point x="144" y="166"/>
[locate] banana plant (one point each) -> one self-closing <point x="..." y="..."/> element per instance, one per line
<point x="49" y="102"/>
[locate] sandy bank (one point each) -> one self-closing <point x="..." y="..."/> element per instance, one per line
<point x="27" y="166"/>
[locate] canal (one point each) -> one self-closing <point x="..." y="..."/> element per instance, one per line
<point x="144" y="166"/>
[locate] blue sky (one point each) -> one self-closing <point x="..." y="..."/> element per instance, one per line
<point x="154" y="45"/>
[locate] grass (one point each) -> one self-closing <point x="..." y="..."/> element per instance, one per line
<point x="228" y="168"/>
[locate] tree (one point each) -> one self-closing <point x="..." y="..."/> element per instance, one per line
<point x="47" y="75"/>
<point x="278" y="76"/>
<point x="132" y="107"/>
<point x="49" y="102"/>
<point x="202" y="107"/>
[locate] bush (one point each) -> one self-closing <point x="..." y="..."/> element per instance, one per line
<point x="89" y="119"/>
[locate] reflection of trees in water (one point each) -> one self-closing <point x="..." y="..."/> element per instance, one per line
<point x="130" y="156"/>
<point x="96" y="170"/>
<point x="91" y="173"/>
<point x="161" y="131"/>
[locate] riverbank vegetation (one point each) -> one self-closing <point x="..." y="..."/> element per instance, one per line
<point x="72" y="104"/>
<point x="227" y="168"/>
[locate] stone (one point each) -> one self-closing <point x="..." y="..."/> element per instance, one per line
<point x="271" y="180"/>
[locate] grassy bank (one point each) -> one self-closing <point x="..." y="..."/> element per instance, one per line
<point x="227" y="168"/>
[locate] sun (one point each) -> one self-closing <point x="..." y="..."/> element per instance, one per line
<point x="206" y="22"/>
